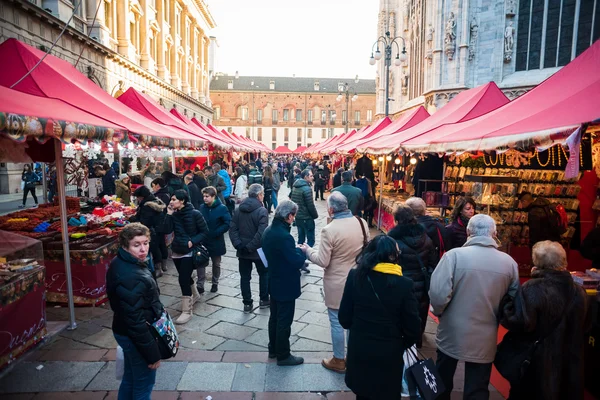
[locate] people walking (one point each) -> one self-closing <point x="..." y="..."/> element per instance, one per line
<point x="550" y="308"/>
<point x="337" y="178"/>
<point x="218" y="219"/>
<point x="319" y="175"/>
<point x="254" y="176"/>
<point x="380" y="310"/>
<point x="29" y="179"/>
<point x="215" y="180"/>
<point x="353" y="194"/>
<point x="467" y="287"/>
<point x="284" y="260"/>
<point x="190" y="229"/>
<point x="123" y="189"/>
<point x="307" y="212"/>
<point x="342" y="240"/>
<point x="248" y="224"/>
<point x="268" y="187"/>
<point x="277" y="178"/>
<point x="134" y="299"/>
<point x="434" y="228"/>
<point x="464" y="209"/>
<point x="228" y="190"/>
<point x="241" y="185"/>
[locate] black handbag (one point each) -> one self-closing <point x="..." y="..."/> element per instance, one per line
<point x="425" y="377"/>
<point x="164" y="333"/>
<point x="200" y="255"/>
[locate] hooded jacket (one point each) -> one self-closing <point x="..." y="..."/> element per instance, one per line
<point x="188" y="224"/>
<point x="302" y="195"/>
<point x="437" y="233"/>
<point x="538" y="219"/>
<point x="218" y="219"/>
<point x="150" y="213"/>
<point x="163" y="195"/>
<point x="227" y="179"/>
<point x="134" y="298"/>
<point x="123" y="192"/>
<point x="248" y="224"/>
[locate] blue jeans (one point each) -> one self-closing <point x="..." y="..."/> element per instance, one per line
<point x="138" y="379"/>
<point x="306" y="229"/>
<point x="338" y="334"/>
<point x="274" y="201"/>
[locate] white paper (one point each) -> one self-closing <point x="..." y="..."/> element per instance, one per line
<point x="263" y="258"/>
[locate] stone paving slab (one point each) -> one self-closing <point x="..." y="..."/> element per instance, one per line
<point x="199" y="340"/>
<point x="234" y="316"/>
<point x="249" y="377"/>
<point x="167" y="377"/>
<point x="238" y="345"/>
<point x="231" y="331"/>
<point x="316" y="332"/>
<point x="207" y="377"/>
<point x="55" y="376"/>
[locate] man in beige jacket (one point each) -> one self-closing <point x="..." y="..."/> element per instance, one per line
<point x="341" y="241"/>
<point x="466" y="289"/>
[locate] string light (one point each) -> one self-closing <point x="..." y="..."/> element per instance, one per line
<point x="413" y="160"/>
<point x="397" y="161"/>
<point x="374" y="162"/>
<point x="389" y="158"/>
<point x="380" y="158"/>
<point x="550" y="157"/>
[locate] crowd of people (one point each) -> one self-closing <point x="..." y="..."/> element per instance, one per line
<point x="378" y="291"/>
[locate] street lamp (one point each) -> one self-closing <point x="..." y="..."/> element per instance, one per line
<point x="388" y="42"/>
<point x="345" y="91"/>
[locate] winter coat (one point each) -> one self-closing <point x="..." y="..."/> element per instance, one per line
<point x="150" y="213"/>
<point x="456" y="232"/>
<point x="466" y="289"/>
<point x="174" y="184"/>
<point x="227" y="180"/>
<point x="241" y="187"/>
<point x="123" y="191"/>
<point x="218" y="219"/>
<point x="30" y="178"/>
<point x="134" y="299"/>
<point x="590" y="247"/>
<point x="188" y="224"/>
<point x="218" y="183"/>
<point x="378" y="336"/>
<point x="319" y="177"/>
<point x="195" y="195"/>
<point x="200" y="182"/>
<point x="414" y="243"/>
<point x="259" y="164"/>
<point x="248" y="224"/>
<point x="284" y="259"/>
<point x="267" y="185"/>
<point x="254" y="177"/>
<point x="538" y="219"/>
<point x="302" y="195"/>
<point x="276" y="181"/>
<point x="337" y="180"/>
<point x="108" y="183"/>
<point x="437" y="233"/>
<point x="552" y="306"/>
<point x="353" y="195"/>
<point x="163" y="195"/>
<point x="341" y="241"/>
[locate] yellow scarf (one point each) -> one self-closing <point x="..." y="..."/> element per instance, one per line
<point x="388" y="268"/>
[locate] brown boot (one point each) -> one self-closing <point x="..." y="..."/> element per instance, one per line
<point x="334" y="364"/>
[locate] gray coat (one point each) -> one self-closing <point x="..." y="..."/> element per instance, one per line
<point x="466" y="290"/>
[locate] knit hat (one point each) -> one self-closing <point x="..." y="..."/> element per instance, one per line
<point x="142" y="191"/>
<point x="123" y="176"/>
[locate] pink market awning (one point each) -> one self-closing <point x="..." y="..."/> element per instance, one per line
<point x="300" y="150"/>
<point x="328" y="147"/>
<point x="282" y="150"/>
<point x="349" y="146"/>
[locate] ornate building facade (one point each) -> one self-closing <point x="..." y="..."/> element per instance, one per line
<point x="292" y="112"/>
<point x="456" y="45"/>
<point x="160" y="47"/>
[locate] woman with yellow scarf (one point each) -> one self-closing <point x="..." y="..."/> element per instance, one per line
<point x="382" y="313"/>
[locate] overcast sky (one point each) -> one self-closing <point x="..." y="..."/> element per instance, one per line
<point x="308" y="38"/>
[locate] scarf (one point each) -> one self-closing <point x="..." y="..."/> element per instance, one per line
<point x="342" y="214"/>
<point x="388" y="268"/>
<point x="128" y="257"/>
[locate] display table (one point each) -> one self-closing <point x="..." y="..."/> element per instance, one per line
<point x="88" y="270"/>
<point x="22" y="314"/>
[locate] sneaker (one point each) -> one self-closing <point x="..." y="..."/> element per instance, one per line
<point x="248" y="308"/>
<point x="214" y="288"/>
<point x="22" y="206"/>
<point x="291" y="360"/>
<point x="265" y="304"/>
<point x="34" y="206"/>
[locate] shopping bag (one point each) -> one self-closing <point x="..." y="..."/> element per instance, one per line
<point x="165" y="334"/>
<point x="120" y="364"/>
<point x="409" y="387"/>
<point x="426" y="377"/>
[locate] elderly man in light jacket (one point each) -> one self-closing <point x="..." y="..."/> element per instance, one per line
<point x="466" y="289"/>
<point x="341" y="241"/>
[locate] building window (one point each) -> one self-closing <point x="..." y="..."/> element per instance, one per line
<point x="286" y="134"/>
<point x="356" y="117"/>
<point x="273" y="146"/>
<point x="309" y="117"/>
<point x="230" y="84"/>
<point x="317" y="86"/>
<point x="259" y="134"/>
<point x="286" y="144"/>
<point x="259" y="116"/>
<point x="272" y="85"/>
<point x="369" y="115"/>
<point x="309" y="133"/>
<point x="323" y="133"/>
<point x="274" y="135"/>
<point x="243" y="113"/>
<point x="248" y="132"/>
<point x="298" y="115"/>
<point x="332" y="116"/>
<point x="299" y="134"/>
<point x="323" y="117"/>
<point x="286" y="114"/>
<point x="344" y="117"/>
<point x="298" y="144"/>
<point x="546" y="32"/>
<point x="217" y="113"/>
<point x="274" y="116"/>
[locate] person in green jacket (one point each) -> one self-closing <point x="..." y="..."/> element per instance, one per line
<point x="254" y="176"/>
<point x="353" y="194"/>
<point x="301" y="194"/>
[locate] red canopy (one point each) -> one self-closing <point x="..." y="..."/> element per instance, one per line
<point x="407" y="120"/>
<point x="466" y="105"/>
<point x="300" y="150"/>
<point x="349" y="146"/>
<point x="56" y="78"/>
<point x="328" y="147"/>
<point x="282" y="150"/>
<point x="547" y="113"/>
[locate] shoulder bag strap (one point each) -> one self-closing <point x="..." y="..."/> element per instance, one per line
<point x="362" y="227"/>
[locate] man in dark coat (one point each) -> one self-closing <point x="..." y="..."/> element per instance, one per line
<point x="193" y="190"/>
<point x="218" y="219"/>
<point x="109" y="177"/>
<point x="319" y="176"/>
<point x="151" y="214"/>
<point x="248" y="224"/>
<point x="417" y="257"/>
<point x="215" y="180"/>
<point x="538" y="219"/>
<point x="285" y="261"/>
<point x="352" y="194"/>
<point x="337" y="178"/>
<point x="301" y="194"/>
<point x="159" y="187"/>
<point x="435" y="229"/>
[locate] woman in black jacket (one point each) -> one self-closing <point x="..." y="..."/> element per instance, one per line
<point x="134" y="299"/>
<point x="380" y="310"/>
<point x="190" y="229"/>
<point x="268" y="187"/>
<point x="417" y="257"/>
<point x="464" y="209"/>
<point x="29" y="179"/>
<point x="151" y="214"/>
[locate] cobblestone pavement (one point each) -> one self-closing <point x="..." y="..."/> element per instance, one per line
<point x="223" y="354"/>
